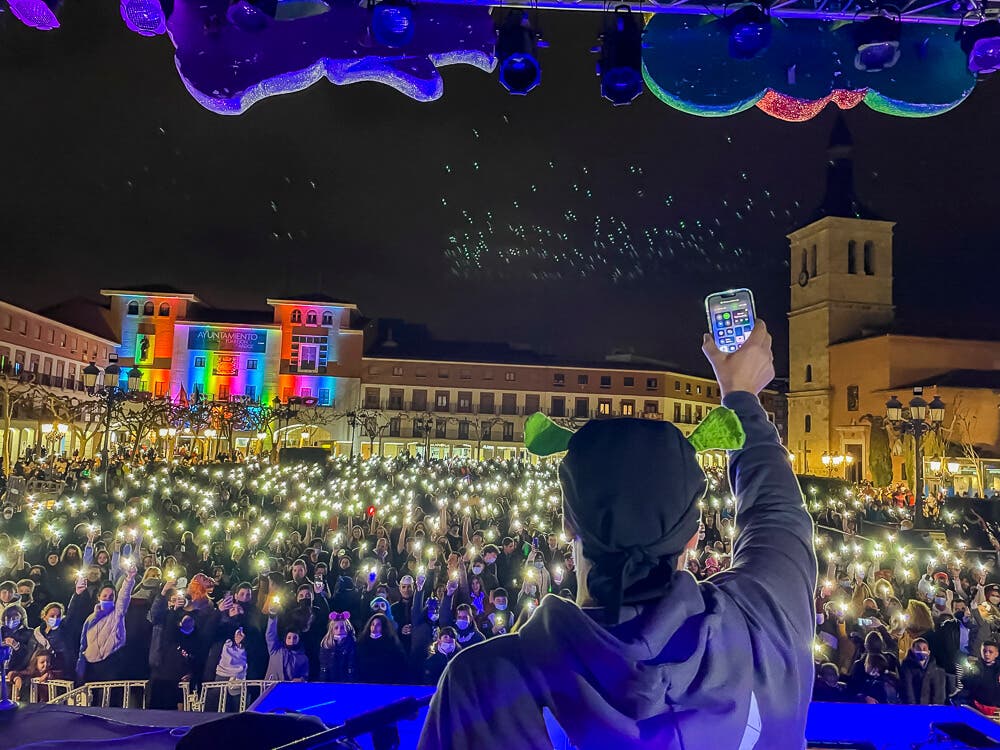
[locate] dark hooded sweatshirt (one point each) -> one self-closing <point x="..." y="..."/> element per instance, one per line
<point x="723" y="664"/>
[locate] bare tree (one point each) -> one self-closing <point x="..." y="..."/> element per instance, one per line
<point x="961" y="433"/>
<point x="18" y="394"/>
<point x="373" y="424"/>
<point x="140" y="417"/>
<point x="84" y="416"/>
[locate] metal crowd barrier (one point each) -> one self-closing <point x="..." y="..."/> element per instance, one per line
<point x="224" y="695"/>
<point x="84" y="695"/>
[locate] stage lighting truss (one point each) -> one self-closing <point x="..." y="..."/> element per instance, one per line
<point x="620" y="65"/>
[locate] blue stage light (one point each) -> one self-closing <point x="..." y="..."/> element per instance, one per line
<point x="517" y="43"/>
<point x="981" y="43"/>
<point x="749" y="31"/>
<point x="392" y="22"/>
<point x="877" y="40"/>
<point x="252" y="15"/>
<point x="620" y="66"/>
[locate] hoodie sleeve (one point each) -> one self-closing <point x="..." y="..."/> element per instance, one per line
<point x="774" y="565"/>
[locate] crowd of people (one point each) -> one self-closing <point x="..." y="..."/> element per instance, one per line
<point x="381" y="570"/>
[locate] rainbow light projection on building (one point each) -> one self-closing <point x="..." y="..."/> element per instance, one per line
<point x="223" y="361"/>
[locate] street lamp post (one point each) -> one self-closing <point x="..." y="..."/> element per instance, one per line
<point x="918" y="420"/>
<point x="112" y="394"/>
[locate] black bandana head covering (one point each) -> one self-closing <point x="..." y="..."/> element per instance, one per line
<point x="630" y="493"/>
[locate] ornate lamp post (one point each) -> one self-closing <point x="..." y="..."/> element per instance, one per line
<point x="112" y="394"/>
<point x="917" y="420"/>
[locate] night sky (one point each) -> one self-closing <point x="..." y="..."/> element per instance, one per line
<point x="442" y="212"/>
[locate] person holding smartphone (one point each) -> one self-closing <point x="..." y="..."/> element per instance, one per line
<point x="647" y="656"/>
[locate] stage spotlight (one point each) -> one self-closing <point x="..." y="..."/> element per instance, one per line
<point x="620" y="66"/>
<point x="517" y="41"/>
<point x="38" y="14"/>
<point x="877" y="40"/>
<point x="749" y="30"/>
<point x="392" y="22"/>
<point x="145" y="17"/>
<point x="981" y="44"/>
<point x="252" y="15"/>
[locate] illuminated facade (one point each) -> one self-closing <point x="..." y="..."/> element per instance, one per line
<point x="311" y="356"/>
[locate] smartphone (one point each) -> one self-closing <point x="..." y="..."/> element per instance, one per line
<point x="731" y="317"/>
<point x="864" y="622"/>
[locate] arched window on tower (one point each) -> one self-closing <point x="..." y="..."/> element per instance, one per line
<point x="852" y="257"/>
<point x="809" y="373"/>
<point x="311" y="319"/>
<point x="328" y="318"/>
<point x="148" y="309"/>
<point x="809" y="423"/>
<point x="805" y="262"/>
<point x="812" y="262"/>
<point x="164" y="310"/>
<point x="869" y="258"/>
<point x="296" y="316"/>
<point x="133" y="308"/>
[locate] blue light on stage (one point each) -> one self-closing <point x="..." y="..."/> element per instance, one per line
<point x="620" y="67"/>
<point x="749" y="32"/>
<point x="145" y="17"/>
<point x="252" y="16"/>
<point x="878" y="43"/>
<point x="981" y="43"/>
<point x="392" y="23"/>
<point x="517" y="41"/>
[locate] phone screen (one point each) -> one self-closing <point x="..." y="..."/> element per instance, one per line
<point x="730" y="318"/>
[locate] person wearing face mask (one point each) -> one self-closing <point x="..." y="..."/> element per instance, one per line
<point x="104" y="631"/>
<point x="922" y="681"/>
<point x="464" y="620"/>
<point x="338" y="650"/>
<point x="232" y="664"/>
<point x="381" y="658"/>
<point x="15" y="633"/>
<point x="55" y="639"/>
<point x="987" y="617"/>
<point x="941" y="605"/>
<point x="481" y="571"/>
<point x="176" y="659"/>
<point x="403" y="611"/>
<point x="441" y="651"/>
<point x="953" y="643"/>
<point x="426" y="621"/>
<point x="288" y="661"/>
<point x="26" y="598"/>
<point x="496" y="618"/>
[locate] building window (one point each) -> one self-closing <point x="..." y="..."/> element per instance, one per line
<point x="441" y="428"/>
<point x="199" y="361"/>
<point x="508" y="431"/>
<point x="133" y="308"/>
<point x="532" y="403"/>
<point x="8" y="322"/>
<point x="852" y="398"/>
<point x="486" y="431"/>
<point x="708" y="390"/>
<point x="328" y="318"/>
<point x="628" y="408"/>
<point x="559" y="380"/>
<point x="487" y="374"/>
<point x="698" y="390"/>
<point x="420" y="400"/>
<point x="394" y="427"/>
<point x="463" y="430"/>
<point x="62" y="341"/>
<point x="582" y="409"/>
<point x="310" y="318"/>
<point x="558" y="406"/>
<point x="805" y="262"/>
<point x="687" y="388"/>
<point x="869" y="258"/>
<point x="629" y="381"/>
<point x="651" y="384"/>
<point x="421" y="372"/>
<point x="508" y="403"/>
<point x="809" y="423"/>
<point x="465" y="374"/>
<point x="650" y="407"/>
<point x="441" y="401"/>
<point x="465" y="401"/>
<point x="296" y="316"/>
<point x="443" y="373"/>
<point x="677" y="411"/>
<point x="24" y="326"/>
<point x="605" y="381"/>
<point x="308" y="358"/>
<point x="809" y="373"/>
<point x="677" y="385"/>
<point x="697" y="413"/>
<point x="250" y="392"/>
<point x="164" y="310"/>
<point x="582" y="379"/>
<point x="38" y="332"/>
<point x="486" y="403"/>
<point x="852" y="257"/>
<point x="324" y="396"/>
<point x="223" y="392"/>
<point x="147" y="309"/>
<point x="604" y="407"/>
<point x="397" y="371"/>
<point x="395" y="398"/>
<point x="812" y="262"/>
<point x="687" y="413"/>
<point x="373" y="398"/>
<point x="510" y="376"/>
<point x="251" y="364"/>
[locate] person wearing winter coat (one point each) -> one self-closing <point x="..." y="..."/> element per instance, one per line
<point x="16" y="634"/>
<point x="288" y="662"/>
<point x="922" y="681"/>
<point x="233" y="658"/>
<point x="381" y="658"/>
<point x="441" y="652"/>
<point x="104" y="632"/>
<point x="338" y="650"/>
<point x="466" y="629"/>
<point x="55" y="636"/>
<point x="175" y="662"/>
<point x="426" y="614"/>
